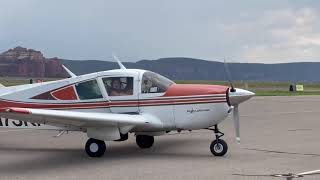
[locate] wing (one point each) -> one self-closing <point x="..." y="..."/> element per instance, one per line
<point x="78" y="119"/>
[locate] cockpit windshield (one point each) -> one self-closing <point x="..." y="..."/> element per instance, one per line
<point x="154" y="83"/>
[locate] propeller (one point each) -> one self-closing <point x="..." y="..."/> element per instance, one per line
<point x="236" y="96"/>
<point x="288" y="176"/>
<point x="235" y="105"/>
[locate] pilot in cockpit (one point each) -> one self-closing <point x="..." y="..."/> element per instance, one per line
<point x="115" y="89"/>
<point x="119" y="88"/>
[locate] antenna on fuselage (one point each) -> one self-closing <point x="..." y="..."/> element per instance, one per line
<point x="71" y="74"/>
<point x="118" y="61"/>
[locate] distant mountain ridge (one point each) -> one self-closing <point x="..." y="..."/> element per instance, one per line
<point x="25" y="62"/>
<point x="196" y="69"/>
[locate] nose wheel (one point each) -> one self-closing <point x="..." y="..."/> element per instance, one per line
<point x="95" y="147"/>
<point x="218" y="147"/>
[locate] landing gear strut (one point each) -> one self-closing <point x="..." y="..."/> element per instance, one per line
<point x="144" y="141"/>
<point x="218" y="147"/>
<point x="95" y="147"/>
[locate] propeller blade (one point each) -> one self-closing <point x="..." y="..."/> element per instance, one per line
<point x="236" y="122"/>
<point x="309" y="173"/>
<point x="228" y="74"/>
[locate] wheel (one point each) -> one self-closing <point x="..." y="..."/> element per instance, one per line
<point x="144" y="141"/>
<point x="95" y="147"/>
<point x="218" y="147"/>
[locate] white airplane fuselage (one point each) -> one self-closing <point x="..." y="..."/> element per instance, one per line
<point x="182" y="107"/>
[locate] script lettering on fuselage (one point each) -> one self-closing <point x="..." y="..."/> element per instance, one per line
<point x="4" y="122"/>
<point x="197" y="110"/>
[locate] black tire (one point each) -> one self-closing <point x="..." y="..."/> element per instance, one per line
<point x="144" y="141"/>
<point x="95" y="147"/>
<point x="218" y="147"/>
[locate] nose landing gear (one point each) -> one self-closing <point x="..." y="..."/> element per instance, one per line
<point x="218" y="147"/>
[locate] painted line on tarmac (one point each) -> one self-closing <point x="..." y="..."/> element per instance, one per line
<point x="281" y="152"/>
<point x="300" y="130"/>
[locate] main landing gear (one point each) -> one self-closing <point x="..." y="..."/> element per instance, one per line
<point x="144" y="141"/>
<point x="95" y="147"/>
<point x="218" y="147"/>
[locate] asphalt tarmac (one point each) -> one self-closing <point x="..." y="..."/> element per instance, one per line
<point x="278" y="135"/>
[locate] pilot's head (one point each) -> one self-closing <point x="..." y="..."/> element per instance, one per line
<point x="116" y="84"/>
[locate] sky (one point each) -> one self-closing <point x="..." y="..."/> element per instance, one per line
<point x="249" y="31"/>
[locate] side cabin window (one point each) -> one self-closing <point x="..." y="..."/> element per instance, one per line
<point x="88" y="90"/>
<point x="118" y="86"/>
<point x="154" y="83"/>
<point x="83" y="91"/>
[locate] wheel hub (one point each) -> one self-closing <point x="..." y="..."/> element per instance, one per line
<point x="94" y="147"/>
<point x="218" y="148"/>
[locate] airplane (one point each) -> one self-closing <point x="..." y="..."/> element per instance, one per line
<point x="109" y="105"/>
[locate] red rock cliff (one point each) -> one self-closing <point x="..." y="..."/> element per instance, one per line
<point x="23" y="62"/>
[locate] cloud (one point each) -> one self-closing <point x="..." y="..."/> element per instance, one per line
<point x="246" y="31"/>
<point x="281" y="36"/>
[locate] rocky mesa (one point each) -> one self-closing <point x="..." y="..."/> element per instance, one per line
<point x="23" y="62"/>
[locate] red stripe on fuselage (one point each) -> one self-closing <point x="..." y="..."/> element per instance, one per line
<point x="127" y="103"/>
